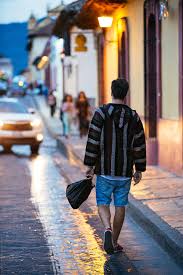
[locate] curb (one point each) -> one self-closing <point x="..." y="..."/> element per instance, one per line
<point x="44" y="119"/>
<point x="167" y="237"/>
<point x="66" y="149"/>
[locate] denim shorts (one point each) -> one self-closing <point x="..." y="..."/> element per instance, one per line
<point x="105" y="188"/>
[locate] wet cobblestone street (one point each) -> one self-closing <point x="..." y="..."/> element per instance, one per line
<point x="71" y="238"/>
<point x="24" y="247"/>
<point x="41" y="234"/>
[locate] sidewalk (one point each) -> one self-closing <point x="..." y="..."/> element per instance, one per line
<point x="156" y="203"/>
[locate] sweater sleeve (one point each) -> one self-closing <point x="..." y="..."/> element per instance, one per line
<point x="139" y="146"/>
<point x="94" y="134"/>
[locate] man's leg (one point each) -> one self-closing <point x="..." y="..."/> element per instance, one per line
<point x="120" y="201"/>
<point x="118" y="222"/>
<point x="105" y="215"/>
<point x="103" y="195"/>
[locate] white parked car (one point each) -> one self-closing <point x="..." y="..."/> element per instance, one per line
<point x="19" y="125"/>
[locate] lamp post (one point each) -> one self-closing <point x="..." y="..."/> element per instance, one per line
<point x="63" y="75"/>
<point x="105" y="22"/>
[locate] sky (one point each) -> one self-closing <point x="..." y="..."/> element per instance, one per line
<point x="20" y="10"/>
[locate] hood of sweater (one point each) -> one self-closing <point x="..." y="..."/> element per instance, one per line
<point x="120" y="113"/>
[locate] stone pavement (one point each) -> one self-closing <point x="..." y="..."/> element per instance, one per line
<point x="71" y="239"/>
<point x="157" y="202"/>
<point x="51" y="122"/>
<point x="141" y="252"/>
<point x="24" y="247"/>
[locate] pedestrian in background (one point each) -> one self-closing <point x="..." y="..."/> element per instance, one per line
<point x="83" y="110"/>
<point x="116" y="142"/>
<point x="52" y="103"/>
<point x="67" y="112"/>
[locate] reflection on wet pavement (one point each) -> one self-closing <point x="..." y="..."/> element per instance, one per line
<point x="73" y="236"/>
<point x="72" y="240"/>
<point x="24" y="248"/>
<point x="114" y="265"/>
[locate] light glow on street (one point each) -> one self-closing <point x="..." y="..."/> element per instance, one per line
<point x="48" y="196"/>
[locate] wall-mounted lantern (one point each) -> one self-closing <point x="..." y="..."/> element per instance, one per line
<point x="163" y="9"/>
<point x="105" y="21"/>
<point x="43" y="62"/>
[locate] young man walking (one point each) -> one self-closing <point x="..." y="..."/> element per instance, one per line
<point x="115" y="146"/>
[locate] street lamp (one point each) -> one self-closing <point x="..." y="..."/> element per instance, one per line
<point x="62" y="56"/>
<point x="43" y="62"/>
<point x="105" y="21"/>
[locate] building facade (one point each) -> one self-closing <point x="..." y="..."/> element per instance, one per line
<point x="80" y="64"/>
<point x="146" y="48"/>
<point x="39" y="43"/>
<point x="144" y="44"/>
<point x="80" y="67"/>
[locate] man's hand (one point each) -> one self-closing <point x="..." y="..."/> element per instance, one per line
<point x="90" y="172"/>
<point x="137" y="176"/>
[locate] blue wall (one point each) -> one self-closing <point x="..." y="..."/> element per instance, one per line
<point x="13" y="39"/>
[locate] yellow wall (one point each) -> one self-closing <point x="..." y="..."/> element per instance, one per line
<point x="170" y="66"/>
<point x="134" y="11"/>
<point x="170" y="89"/>
<point x="110" y="61"/>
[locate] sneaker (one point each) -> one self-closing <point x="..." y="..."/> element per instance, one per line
<point x="108" y="242"/>
<point x="118" y="248"/>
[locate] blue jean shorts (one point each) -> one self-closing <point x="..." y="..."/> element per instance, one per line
<point x="106" y="188"/>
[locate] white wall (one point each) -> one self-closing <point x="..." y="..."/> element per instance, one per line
<point x="71" y="75"/>
<point x="38" y="46"/>
<point x="56" y="68"/>
<point x="85" y="65"/>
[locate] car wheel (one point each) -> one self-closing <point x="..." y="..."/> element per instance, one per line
<point x="7" y="148"/>
<point x="35" y="149"/>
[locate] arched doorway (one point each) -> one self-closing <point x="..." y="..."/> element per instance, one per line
<point x="123" y="67"/>
<point x="123" y="51"/>
<point x="152" y="80"/>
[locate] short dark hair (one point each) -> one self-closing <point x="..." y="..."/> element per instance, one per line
<point x="119" y="88"/>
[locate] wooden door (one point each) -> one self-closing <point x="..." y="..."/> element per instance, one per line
<point x="151" y="79"/>
<point x="123" y="52"/>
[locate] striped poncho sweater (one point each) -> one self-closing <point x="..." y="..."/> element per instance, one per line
<point x="116" y="141"/>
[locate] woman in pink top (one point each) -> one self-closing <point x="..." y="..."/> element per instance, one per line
<point x="67" y="114"/>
